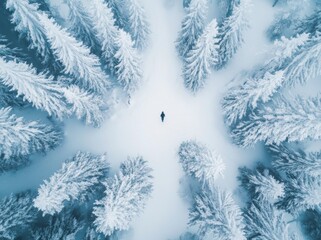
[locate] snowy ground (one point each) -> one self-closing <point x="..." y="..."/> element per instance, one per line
<point x="137" y="129"/>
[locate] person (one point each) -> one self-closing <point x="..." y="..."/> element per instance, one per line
<point x="162" y="116"/>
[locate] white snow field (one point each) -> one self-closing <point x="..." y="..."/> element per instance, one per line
<point x="137" y="129"/>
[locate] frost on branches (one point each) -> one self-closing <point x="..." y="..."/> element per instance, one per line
<point x="301" y="193"/>
<point x="16" y="213"/>
<point x="125" y="197"/>
<point x="284" y="120"/>
<point x="193" y="25"/>
<point x="80" y="22"/>
<point x="297" y="162"/>
<point x="201" y="58"/>
<point x="241" y="100"/>
<point x="138" y="25"/>
<point x="128" y="63"/>
<point x="105" y="29"/>
<point x="263" y="82"/>
<point x="200" y="162"/>
<point x="232" y="31"/>
<point x="25" y="17"/>
<point x="85" y="105"/>
<point x="38" y="89"/>
<point x="311" y="24"/>
<point x="265" y="222"/>
<point x="19" y="138"/>
<point x="75" y="178"/>
<point x="306" y="64"/>
<point x="261" y="184"/>
<point x="60" y="226"/>
<point x="75" y="57"/>
<point x="216" y="216"/>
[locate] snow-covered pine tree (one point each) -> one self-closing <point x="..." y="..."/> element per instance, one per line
<point x="91" y="234"/>
<point x="25" y="17"/>
<point x="5" y="50"/>
<point x="265" y="222"/>
<point x="19" y="138"/>
<point x="291" y="120"/>
<point x="75" y="57"/>
<point x="311" y="24"/>
<point x="193" y="25"/>
<point x="7" y="97"/>
<point x="138" y="25"/>
<point x="288" y="160"/>
<point x="16" y="213"/>
<point x="59" y="226"/>
<point x="105" y="29"/>
<point x="226" y="6"/>
<point x="306" y="64"/>
<point x="263" y="82"/>
<point x="126" y="196"/>
<point x="38" y="89"/>
<point x="128" y="63"/>
<point x="261" y="184"/>
<point x="201" y="58"/>
<point x="231" y="33"/>
<point x="241" y="100"/>
<point x="14" y="163"/>
<point x="302" y="192"/>
<point x="10" y="98"/>
<point x="85" y="105"/>
<point x="74" y="179"/>
<point x="216" y="216"/>
<point x="200" y="162"/>
<point x="80" y="23"/>
<point x="118" y="7"/>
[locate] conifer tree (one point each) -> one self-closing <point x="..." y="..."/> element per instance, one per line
<point x="200" y="162"/>
<point x="293" y="161"/>
<point x="7" y="97"/>
<point x="231" y="33"/>
<point x="16" y="213"/>
<point x="201" y="58"/>
<point x="91" y="234"/>
<point x="301" y="193"/>
<point x="306" y="64"/>
<point x="25" y="17"/>
<point x="284" y="120"/>
<point x="311" y="24"/>
<point x="263" y="82"/>
<point x="19" y="138"/>
<point x="38" y="89"/>
<point x="59" y="226"/>
<point x="75" y="57"/>
<point x="128" y="63"/>
<point x="193" y="25"/>
<point x="118" y="7"/>
<point x="85" y="105"/>
<point x="216" y="216"/>
<point x="261" y="184"/>
<point x="105" y="29"/>
<point x="74" y="179"/>
<point x="138" y="25"/>
<point x="226" y="6"/>
<point x="265" y="222"/>
<point x="125" y="197"/>
<point x="80" y="22"/>
<point x="5" y="50"/>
